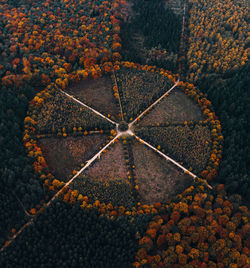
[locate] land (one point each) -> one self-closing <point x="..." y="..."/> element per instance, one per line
<point x="176" y="108"/>
<point x="63" y="155"/>
<point x="97" y="93"/>
<point x="158" y="179"/>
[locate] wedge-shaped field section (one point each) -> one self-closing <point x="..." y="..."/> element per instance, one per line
<point x="106" y="179"/>
<point x="98" y="94"/>
<point x="187" y="145"/>
<point x="63" y="155"/>
<point x="139" y="89"/>
<point x="157" y="178"/>
<point x="175" y="108"/>
<point x="60" y="111"/>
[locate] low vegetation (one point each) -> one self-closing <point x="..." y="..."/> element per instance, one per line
<point x="175" y="108"/>
<point x="157" y="179"/>
<point x="116" y="192"/>
<point x="64" y="155"/>
<point x="60" y="112"/>
<point x="139" y="89"/>
<point x="98" y="94"/>
<point x="185" y="144"/>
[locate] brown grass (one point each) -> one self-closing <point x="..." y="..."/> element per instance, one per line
<point x="106" y="180"/>
<point x="98" y="94"/>
<point x="175" y="108"/>
<point x="158" y="180"/>
<point x="111" y="165"/>
<point x="63" y="155"/>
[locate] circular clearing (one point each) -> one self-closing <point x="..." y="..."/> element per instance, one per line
<point x="87" y="128"/>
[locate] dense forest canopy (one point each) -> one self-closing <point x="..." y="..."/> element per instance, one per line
<point x="230" y="95"/>
<point x="151" y="34"/>
<point x="66" y="236"/>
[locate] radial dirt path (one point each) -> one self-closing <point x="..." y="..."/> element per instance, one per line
<point x="166" y="157"/>
<point x="88" y="163"/>
<point x="171" y="160"/>
<point x="88" y="107"/>
<point x="158" y="100"/>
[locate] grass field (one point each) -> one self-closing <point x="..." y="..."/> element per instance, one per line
<point x="63" y="155"/>
<point x="177" y="107"/>
<point x="98" y="94"/>
<point x="158" y="180"/>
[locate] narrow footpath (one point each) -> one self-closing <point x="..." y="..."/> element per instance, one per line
<point x="88" y="107"/>
<point x="152" y="105"/>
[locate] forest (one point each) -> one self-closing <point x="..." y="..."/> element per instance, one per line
<point x="230" y="95"/>
<point x="49" y="45"/>
<point x="146" y="39"/>
<point x="66" y="236"/>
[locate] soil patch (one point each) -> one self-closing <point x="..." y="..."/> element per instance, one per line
<point x="158" y="179"/>
<point x="175" y="108"/>
<point x="63" y="155"/>
<point x="106" y="180"/>
<point x="110" y="166"/>
<point x="98" y="94"/>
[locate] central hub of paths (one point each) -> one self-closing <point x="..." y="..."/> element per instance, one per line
<point x="123" y="126"/>
<point x="124" y="129"/>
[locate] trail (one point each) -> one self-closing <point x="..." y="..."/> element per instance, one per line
<point x="17" y="234"/>
<point x="166" y="157"/>
<point x="88" y="107"/>
<point x="171" y="160"/>
<point x="158" y="100"/>
<point x="119" y="99"/>
<point x="88" y="163"/>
